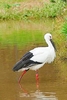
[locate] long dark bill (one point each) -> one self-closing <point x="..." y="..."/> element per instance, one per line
<point x="53" y="44"/>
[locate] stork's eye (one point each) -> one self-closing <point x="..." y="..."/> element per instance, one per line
<point x="50" y="37"/>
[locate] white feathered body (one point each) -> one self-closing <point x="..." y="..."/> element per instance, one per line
<point x="42" y="54"/>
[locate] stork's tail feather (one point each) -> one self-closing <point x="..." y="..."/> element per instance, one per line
<point x="17" y="66"/>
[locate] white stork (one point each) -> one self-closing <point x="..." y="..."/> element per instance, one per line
<point x="37" y="57"/>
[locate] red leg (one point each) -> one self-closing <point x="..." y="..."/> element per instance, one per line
<point x="22" y="75"/>
<point x="37" y="79"/>
<point x="24" y="90"/>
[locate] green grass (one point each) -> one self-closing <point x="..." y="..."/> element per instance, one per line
<point x="64" y="28"/>
<point x="12" y="11"/>
<point x="54" y="9"/>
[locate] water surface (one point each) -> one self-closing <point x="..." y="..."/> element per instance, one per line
<point x="51" y="85"/>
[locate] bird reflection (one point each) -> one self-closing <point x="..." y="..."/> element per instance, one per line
<point x="37" y="95"/>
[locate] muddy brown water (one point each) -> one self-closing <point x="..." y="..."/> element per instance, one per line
<point x="51" y="87"/>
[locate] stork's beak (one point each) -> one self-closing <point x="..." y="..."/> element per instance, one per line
<point x="53" y="44"/>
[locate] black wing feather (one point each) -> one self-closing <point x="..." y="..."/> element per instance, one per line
<point x="25" y="62"/>
<point x="27" y="56"/>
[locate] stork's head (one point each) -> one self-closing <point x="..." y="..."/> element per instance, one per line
<point x="48" y="39"/>
<point x="48" y="36"/>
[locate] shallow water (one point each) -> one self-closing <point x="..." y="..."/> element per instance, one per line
<point x="51" y="86"/>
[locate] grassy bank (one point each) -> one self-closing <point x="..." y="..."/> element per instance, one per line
<point x="31" y="10"/>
